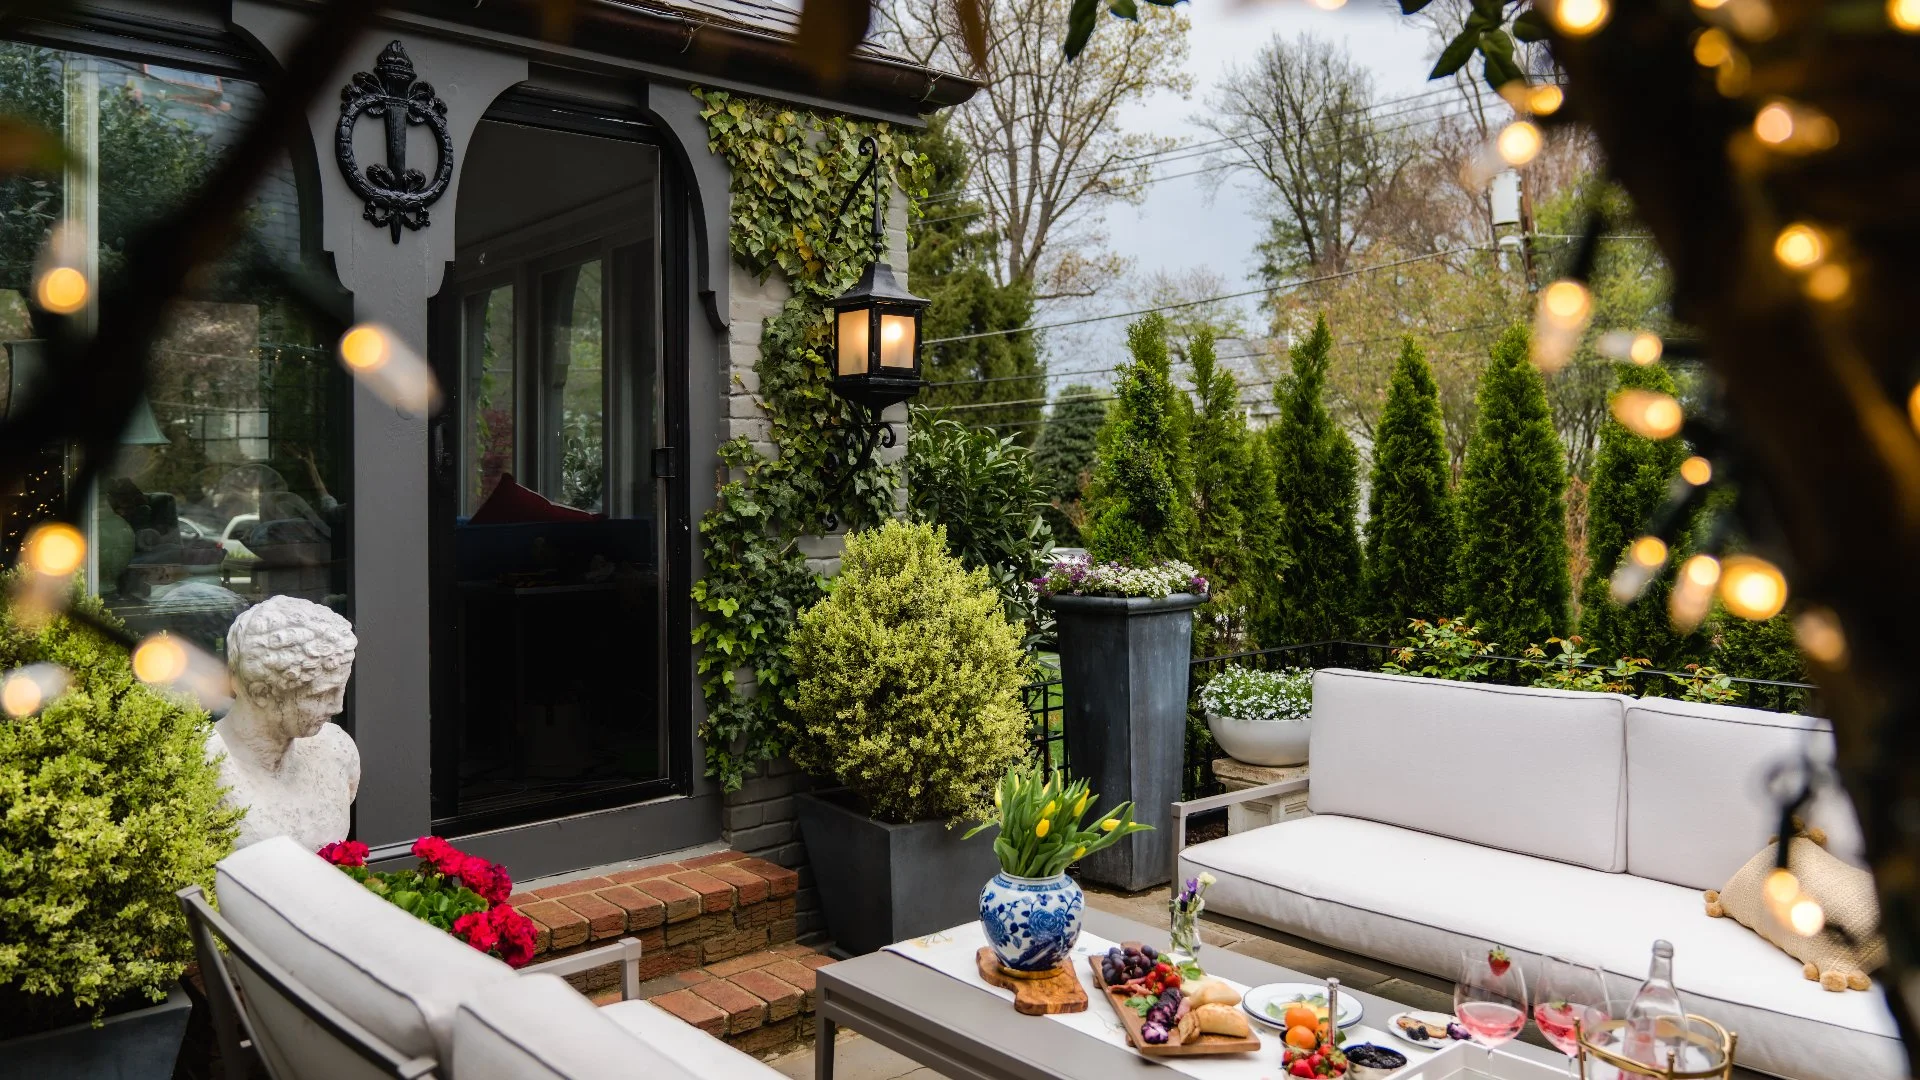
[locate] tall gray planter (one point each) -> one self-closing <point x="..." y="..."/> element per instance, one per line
<point x="1123" y="673"/>
<point x="141" y="1044"/>
<point x="879" y="882"/>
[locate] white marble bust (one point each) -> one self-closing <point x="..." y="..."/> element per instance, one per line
<point x="293" y="771"/>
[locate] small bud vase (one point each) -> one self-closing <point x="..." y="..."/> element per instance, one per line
<point x="1032" y="923"/>
<point x="1184" y="930"/>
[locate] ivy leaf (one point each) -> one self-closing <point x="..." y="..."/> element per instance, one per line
<point x="1125" y="9"/>
<point x="1531" y="26"/>
<point x="1457" y="53"/>
<point x="1408" y="7"/>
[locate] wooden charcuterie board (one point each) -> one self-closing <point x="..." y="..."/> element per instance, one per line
<point x="1173" y="1047"/>
<point x="1056" y="993"/>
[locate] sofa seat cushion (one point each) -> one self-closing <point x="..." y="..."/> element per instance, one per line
<point x="1422" y="899"/>
<point x="398" y="977"/>
<point x="1697" y="804"/>
<point x="695" y="1050"/>
<point x="537" y="1027"/>
<point x="1471" y="761"/>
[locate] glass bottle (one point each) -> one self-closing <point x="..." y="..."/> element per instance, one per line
<point x="1655" y="1019"/>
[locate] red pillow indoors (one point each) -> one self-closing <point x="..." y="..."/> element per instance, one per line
<point x="512" y="503"/>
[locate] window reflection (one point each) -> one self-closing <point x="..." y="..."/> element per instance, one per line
<point x="230" y="482"/>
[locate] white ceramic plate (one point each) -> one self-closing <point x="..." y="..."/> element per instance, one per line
<point x="1431" y="1019"/>
<point x="1283" y="994"/>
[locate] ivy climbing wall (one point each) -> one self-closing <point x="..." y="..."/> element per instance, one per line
<point x="788" y="442"/>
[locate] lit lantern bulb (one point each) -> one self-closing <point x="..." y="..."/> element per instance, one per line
<point x="1818" y="632"/>
<point x="1578" y="18"/>
<point x="891" y="330"/>
<point x="1800" y="246"/>
<point x="1752" y="587"/>
<point x="1696" y="470"/>
<point x="62" y="290"/>
<point x="159" y="660"/>
<point x="1546" y="99"/>
<point x="1518" y="143"/>
<point x="55" y="549"/>
<point x="1904" y="15"/>
<point x="1647" y="413"/>
<point x="1648" y="551"/>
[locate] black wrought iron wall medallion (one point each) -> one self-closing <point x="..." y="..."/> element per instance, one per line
<point x="395" y="194"/>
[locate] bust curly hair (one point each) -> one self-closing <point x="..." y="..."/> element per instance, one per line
<point x="283" y="647"/>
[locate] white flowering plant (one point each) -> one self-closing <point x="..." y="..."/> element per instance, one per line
<point x="1079" y="575"/>
<point x="1240" y="693"/>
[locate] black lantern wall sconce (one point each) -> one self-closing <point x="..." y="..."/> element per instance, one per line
<point x="876" y="331"/>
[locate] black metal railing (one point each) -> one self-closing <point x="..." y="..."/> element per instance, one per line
<point x="1045" y="699"/>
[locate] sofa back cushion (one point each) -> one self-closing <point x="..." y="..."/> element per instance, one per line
<point x="1529" y="770"/>
<point x="536" y="1027"/>
<point x="398" y="977"/>
<point x="1697" y="803"/>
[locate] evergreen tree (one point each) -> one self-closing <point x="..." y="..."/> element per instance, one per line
<point x="1412" y="531"/>
<point x="1064" y="454"/>
<point x="1315" y="563"/>
<point x="950" y="264"/>
<point x="1631" y="478"/>
<point x="1140" y="502"/>
<point x="1228" y="509"/>
<point x="1512" y="579"/>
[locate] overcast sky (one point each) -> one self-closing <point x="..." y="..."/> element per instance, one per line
<point x="1181" y="223"/>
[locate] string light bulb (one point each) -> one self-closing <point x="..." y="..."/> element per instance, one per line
<point x="62" y="290"/>
<point x="1642" y="347"/>
<point x="1693" y="592"/>
<point x="1913" y="407"/>
<point x="382" y="362"/>
<point x="159" y="659"/>
<point x="26" y="690"/>
<point x="1648" y="413"/>
<point x="55" y="549"/>
<point x="1518" y="143"/>
<point x="1696" y="470"/>
<point x="1806" y="916"/>
<point x="1800" y="246"/>
<point x="1559" y="319"/>
<point x="1752" y="587"/>
<point x="1648" y="551"/>
<point x="1817" y="631"/>
<point x="1828" y="283"/>
<point x="1781" y="887"/>
<point x="1712" y="47"/>
<point x="1904" y="15"/>
<point x="1546" y="99"/>
<point x="1579" y="18"/>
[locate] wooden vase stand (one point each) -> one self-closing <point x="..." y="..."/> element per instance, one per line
<point x="1037" y="993"/>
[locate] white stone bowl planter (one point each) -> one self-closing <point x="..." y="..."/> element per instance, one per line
<point x="1261" y="742"/>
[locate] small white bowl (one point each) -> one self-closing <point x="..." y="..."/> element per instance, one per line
<point x="1261" y="742"/>
<point x="1357" y="1071"/>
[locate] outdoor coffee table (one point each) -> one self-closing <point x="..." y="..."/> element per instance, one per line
<point x="966" y="1033"/>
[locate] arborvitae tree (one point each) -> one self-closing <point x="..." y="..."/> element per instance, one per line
<point x="1630" y="480"/>
<point x="1512" y="580"/>
<point x="1412" y="530"/>
<point x="1140" y="501"/>
<point x="1315" y="566"/>
<point x="950" y="263"/>
<point x="1229" y="507"/>
<point x="1064" y="454"/>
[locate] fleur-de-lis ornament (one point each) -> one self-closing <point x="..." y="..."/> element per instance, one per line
<point x="395" y="194"/>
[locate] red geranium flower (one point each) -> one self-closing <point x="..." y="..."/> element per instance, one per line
<point x="345" y="853"/>
<point x="516" y="934"/>
<point x="487" y="879"/>
<point x="476" y="930"/>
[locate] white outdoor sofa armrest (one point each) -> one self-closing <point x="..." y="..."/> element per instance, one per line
<point x="1182" y="810"/>
<point x="626" y="951"/>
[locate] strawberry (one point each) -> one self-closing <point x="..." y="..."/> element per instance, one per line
<point x="1315" y="1060"/>
<point x="1301" y="1068"/>
<point x="1498" y="961"/>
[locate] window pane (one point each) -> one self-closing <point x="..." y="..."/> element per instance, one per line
<point x="230" y="482"/>
<point x="574" y="443"/>
<point x="491" y="375"/>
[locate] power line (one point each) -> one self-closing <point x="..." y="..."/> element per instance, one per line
<point x="1063" y="374"/>
<point x="1214" y="299"/>
<point x="1097" y="169"/>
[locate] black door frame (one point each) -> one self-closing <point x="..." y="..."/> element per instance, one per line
<point x="534" y="108"/>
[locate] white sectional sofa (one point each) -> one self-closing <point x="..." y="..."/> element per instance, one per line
<point x="1556" y="823"/>
<point x="422" y="995"/>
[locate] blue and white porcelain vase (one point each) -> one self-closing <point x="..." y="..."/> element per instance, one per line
<point x="1032" y="923"/>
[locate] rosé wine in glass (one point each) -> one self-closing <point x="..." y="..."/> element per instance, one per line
<point x="1570" y="998"/>
<point x="1491" y="1022"/>
<point x="1490" y="996"/>
<point x="1556" y="1020"/>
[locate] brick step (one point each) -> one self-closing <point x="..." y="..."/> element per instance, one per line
<point x="686" y="914"/>
<point x="761" y="1002"/>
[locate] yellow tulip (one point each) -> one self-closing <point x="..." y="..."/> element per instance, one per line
<point x="1079" y="851"/>
<point x="1081" y="806"/>
<point x="1051" y="807"/>
<point x="1110" y="824"/>
<point x="1041" y="829"/>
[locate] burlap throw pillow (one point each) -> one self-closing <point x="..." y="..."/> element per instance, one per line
<point x="1850" y="947"/>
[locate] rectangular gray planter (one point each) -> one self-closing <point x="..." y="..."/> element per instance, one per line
<point x="880" y="883"/>
<point x="139" y="1045"/>
<point x="1123" y="673"/>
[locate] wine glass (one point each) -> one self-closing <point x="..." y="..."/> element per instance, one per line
<point x="1490" y="996"/>
<point x="1569" y="998"/>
